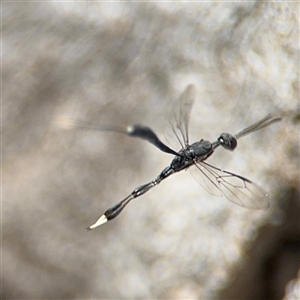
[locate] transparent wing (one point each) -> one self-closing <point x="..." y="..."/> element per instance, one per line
<point x="180" y="115"/>
<point x="235" y="188"/>
<point x="206" y="178"/>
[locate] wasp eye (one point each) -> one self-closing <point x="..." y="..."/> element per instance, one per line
<point x="228" y="141"/>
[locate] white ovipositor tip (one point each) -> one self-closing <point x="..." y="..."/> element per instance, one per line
<point x="99" y="222"/>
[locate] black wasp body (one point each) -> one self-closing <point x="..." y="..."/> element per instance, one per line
<point x="216" y="181"/>
<point x="199" y="150"/>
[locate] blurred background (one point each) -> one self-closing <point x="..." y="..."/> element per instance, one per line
<point x="127" y="63"/>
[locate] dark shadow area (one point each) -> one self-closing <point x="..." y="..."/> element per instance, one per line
<point x="274" y="259"/>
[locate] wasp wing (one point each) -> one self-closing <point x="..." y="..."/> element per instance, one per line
<point x="234" y="187"/>
<point x="180" y="116"/>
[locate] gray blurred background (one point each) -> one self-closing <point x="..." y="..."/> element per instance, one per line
<point x="126" y="63"/>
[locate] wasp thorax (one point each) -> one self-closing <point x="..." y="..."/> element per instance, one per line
<point x="202" y="148"/>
